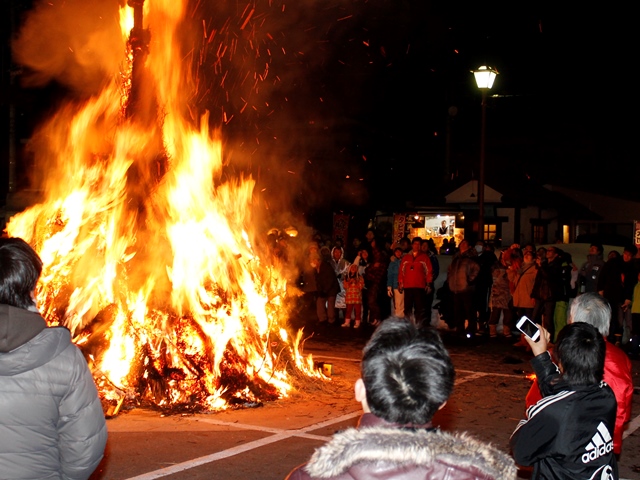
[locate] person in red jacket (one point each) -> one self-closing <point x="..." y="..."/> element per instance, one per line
<point x="415" y="278"/>
<point x="593" y="309"/>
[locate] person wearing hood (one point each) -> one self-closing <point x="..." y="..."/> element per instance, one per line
<point x="406" y="377"/>
<point x="51" y="421"/>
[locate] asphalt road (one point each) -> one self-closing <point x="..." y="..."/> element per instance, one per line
<point x="267" y="442"/>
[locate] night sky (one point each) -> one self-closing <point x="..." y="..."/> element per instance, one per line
<point x="353" y="112"/>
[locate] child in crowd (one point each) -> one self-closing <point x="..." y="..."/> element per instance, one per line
<point x="353" y="285"/>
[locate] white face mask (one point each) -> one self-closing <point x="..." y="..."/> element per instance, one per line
<point x="479" y="248"/>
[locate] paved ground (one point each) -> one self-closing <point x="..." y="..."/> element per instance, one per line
<point x="267" y="442"/>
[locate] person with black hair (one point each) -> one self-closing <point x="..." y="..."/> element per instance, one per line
<point x="611" y="287"/>
<point x="590" y="270"/>
<point x="407" y="376"/>
<point x="51" y="419"/>
<point x="629" y="279"/>
<point x="328" y="288"/>
<point x="415" y="279"/>
<point x="593" y="309"/>
<point x="569" y="433"/>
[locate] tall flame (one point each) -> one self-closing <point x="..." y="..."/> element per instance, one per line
<point x="148" y="257"/>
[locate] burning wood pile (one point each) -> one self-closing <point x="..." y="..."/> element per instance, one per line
<point x="148" y="256"/>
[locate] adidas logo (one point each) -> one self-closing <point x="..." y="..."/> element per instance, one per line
<point x="600" y="444"/>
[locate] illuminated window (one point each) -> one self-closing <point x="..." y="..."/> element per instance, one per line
<point x="490" y="231"/>
<point x="565" y="233"/>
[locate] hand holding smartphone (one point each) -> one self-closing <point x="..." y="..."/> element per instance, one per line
<point x="535" y="335"/>
<point x="530" y="329"/>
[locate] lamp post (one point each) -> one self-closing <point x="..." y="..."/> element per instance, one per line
<point x="485" y="77"/>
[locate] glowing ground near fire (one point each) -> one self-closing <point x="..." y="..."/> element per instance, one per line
<point x="148" y="256"/>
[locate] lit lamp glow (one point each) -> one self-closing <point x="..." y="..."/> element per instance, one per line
<point x="485" y="76"/>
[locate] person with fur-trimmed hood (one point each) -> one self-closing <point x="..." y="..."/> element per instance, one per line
<point x="407" y="376"/>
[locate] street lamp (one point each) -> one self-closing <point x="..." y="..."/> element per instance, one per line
<point x="485" y="77"/>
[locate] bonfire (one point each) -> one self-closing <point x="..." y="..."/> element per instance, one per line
<point x="148" y="254"/>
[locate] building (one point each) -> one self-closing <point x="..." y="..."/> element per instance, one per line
<point x="522" y="214"/>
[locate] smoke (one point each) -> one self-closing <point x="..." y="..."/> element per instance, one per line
<point x="74" y="42"/>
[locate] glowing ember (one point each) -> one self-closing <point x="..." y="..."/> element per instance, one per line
<point x="148" y="257"/>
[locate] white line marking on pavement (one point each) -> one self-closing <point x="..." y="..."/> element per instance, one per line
<point x="279" y="435"/>
<point x="196" y="462"/>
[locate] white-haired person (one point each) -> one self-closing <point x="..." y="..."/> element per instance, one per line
<point x="593" y="309"/>
<point x="407" y="376"/>
<point x="51" y="420"/>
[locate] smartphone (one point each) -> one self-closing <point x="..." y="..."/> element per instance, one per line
<point x="530" y="329"/>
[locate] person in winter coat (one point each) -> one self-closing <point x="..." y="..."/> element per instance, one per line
<point x="633" y="348"/>
<point x="568" y="285"/>
<point x="551" y="281"/>
<point x="397" y="298"/>
<point x="415" y="279"/>
<point x="51" y="420"/>
<point x="486" y="259"/>
<point x="429" y="247"/>
<point x="500" y="302"/>
<point x="611" y="287"/>
<point x="375" y="278"/>
<point x="590" y="270"/>
<point x="523" y="291"/>
<point x="593" y="309"/>
<point x="630" y="269"/>
<point x="328" y="289"/>
<point x="407" y="376"/>
<point x="353" y="285"/>
<point x="541" y="293"/>
<point x="463" y="271"/>
<point x="524" y="281"/>
<point x="569" y="433"/>
<point x="341" y="267"/>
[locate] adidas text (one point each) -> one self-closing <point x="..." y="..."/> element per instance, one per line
<point x="600" y="444"/>
<point x="598" y="452"/>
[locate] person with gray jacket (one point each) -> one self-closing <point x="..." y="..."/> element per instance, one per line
<point x="51" y="421"/>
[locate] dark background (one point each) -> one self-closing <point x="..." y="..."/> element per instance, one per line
<point x="345" y="105"/>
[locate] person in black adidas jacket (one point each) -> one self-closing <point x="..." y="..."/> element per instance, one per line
<point x="568" y="434"/>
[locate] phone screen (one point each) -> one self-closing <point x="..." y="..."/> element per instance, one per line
<point x="529" y="328"/>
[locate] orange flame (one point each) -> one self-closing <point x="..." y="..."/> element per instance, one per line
<point x="147" y="256"/>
